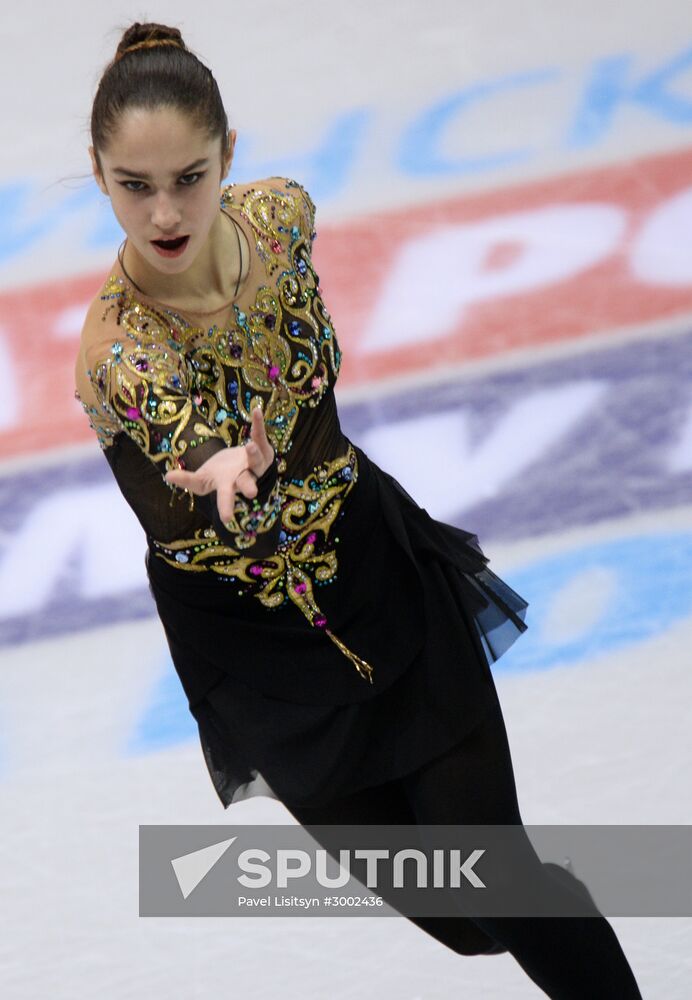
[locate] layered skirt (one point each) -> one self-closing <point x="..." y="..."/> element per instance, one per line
<point x="283" y="712"/>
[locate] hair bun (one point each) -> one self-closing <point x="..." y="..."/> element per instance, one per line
<point x="148" y="36"/>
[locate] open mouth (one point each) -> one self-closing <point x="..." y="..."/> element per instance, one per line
<point x="171" y="248"/>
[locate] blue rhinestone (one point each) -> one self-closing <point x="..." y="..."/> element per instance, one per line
<point x="295" y="232"/>
<point x="302" y="266"/>
<point x="221" y="415"/>
<point x="294" y="327"/>
<point x="347" y="472"/>
<point x="181" y="557"/>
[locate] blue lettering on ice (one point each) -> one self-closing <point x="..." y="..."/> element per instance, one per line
<point x="420" y="153"/>
<point x="612" y="86"/>
<point x="324" y="170"/>
<point x="166" y="719"/>
<point x="611" y="89"/>
<point x="19" y="231"/>
<point x="651" y="592"/>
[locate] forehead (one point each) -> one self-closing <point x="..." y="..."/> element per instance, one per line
<point x="159" y="140"/>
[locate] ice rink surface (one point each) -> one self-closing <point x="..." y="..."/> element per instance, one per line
<point x="504" y="201"/>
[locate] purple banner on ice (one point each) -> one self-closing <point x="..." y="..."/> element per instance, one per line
<point x="537" y="449"/>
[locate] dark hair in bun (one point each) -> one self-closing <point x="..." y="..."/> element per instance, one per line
<point x="153" y="68"/>
<point x="148" y="35"/>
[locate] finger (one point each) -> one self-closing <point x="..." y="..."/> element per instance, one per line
<point x="179" y="477"/>
<point x="225" y="500"/>
<point x="195" y="482"/>
<point x="258" y="435"/>
<point x="254" y="456"/>
<point x="246" y="483"/>
<point x="259" y="462"/>
<point x="258" y="432"/>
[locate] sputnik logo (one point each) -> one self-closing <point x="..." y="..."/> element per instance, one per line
<point x="191" y="868"/>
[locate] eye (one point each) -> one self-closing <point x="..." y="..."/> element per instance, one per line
<point x="135" y="190"/>
<point x="187" y="180"/>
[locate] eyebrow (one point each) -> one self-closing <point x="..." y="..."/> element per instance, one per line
<point x="147" y="177"/>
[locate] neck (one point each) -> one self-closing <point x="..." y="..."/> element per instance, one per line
<point x="210" y="279"/>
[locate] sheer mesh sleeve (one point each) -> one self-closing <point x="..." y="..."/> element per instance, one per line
<point x="141" y="383"/>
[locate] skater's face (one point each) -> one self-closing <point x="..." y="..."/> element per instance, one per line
<point x="163" y="174"/>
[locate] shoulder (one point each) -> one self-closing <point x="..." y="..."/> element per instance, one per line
<point x="283" y="187"/>
<point x="284" y="194"/>
<point x="111" y="320"/>
<point x="100" y="326"/>
<point x="99" y="332"/>
<point x="290" y="188"/>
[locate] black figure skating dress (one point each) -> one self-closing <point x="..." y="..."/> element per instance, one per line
<point x="338" y="636"/>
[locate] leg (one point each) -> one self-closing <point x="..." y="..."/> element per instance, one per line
<point x="570" y="958"/>
<point x="386" y="804"/>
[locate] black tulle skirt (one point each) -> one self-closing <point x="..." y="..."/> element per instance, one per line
<point x="282" y="712"/>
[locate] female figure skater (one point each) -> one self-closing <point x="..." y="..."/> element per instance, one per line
<point x="334" y="641"/>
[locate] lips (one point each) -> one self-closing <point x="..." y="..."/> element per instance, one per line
<point x="172" y="247"/>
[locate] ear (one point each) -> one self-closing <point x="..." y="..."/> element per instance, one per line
<point x="98" y="176"/>
<point x="228" y="154"/>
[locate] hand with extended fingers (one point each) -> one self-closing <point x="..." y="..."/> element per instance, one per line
<point x="230" y="471"/>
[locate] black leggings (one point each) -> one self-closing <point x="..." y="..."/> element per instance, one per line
<point x="570" y="958"/>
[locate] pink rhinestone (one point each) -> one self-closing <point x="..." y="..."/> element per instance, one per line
<point x="197" y="400"/>
<point x="316" y="381"/>
<point x="276" y="246"/>
<point x="274" y="372"/>
<point x="312" y="537"/>
<point x="300" y="588"/>
<point x="320" y="621"/>
<point x="133" y="413"/>
<point x="256" y="570"/>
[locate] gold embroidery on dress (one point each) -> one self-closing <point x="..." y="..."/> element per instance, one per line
<point x="305" y="555"/>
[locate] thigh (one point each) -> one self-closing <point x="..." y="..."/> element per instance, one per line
<point x="388" y="804"/>
<point x="472" y="783"/>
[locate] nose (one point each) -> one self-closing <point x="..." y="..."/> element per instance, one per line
<point x="165" y="217"/>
